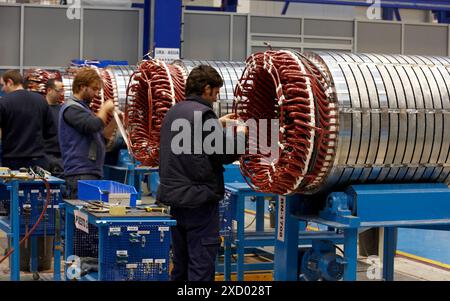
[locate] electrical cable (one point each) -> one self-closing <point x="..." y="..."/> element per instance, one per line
<point x="251" y="223"/>
<point x="25" y="238"/>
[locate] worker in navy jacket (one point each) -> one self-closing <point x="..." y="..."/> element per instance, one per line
<point x="191" y="178"/>
<point x="55" y="91"/>
<point x="26" y="123"/>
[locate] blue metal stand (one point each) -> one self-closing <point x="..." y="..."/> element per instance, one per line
<point x="379" y="205"/>
<point x="243" y="240"/>
<point x="286" y="244"/>
<point x="14" y="227"/>
<point x="132" y="174"/>
<point x="153" y="182"/>
<point x="144" y="237"/>
<point x="294" y="233"/>
<point x="13" y="187"/>
<point x="390" y="237"/>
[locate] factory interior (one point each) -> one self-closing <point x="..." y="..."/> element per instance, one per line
<point x="350" y="101"/>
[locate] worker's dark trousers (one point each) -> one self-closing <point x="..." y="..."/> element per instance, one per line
<point x="72" y="185"/>
<point x="17" y="163"/>
<point x="196" y="242"/>
<point x="55" y="164"/>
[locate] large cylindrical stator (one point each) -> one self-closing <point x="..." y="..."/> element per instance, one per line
<point x="154" y="88"/>
<point x="348" y="118"/>
<point x="230" y="73"/>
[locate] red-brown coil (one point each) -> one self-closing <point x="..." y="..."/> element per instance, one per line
<point x="287" y="86"/>
<point x="37" y="79"/>
<point x="153" y="89"/>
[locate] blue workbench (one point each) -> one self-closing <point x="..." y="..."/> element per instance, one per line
<point x="158" y="240"/>
<point x="12" y="224"/>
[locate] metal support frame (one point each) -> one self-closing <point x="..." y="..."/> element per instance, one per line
<point x="245" y="240"/>
<point x="146" y="24"/>
<point x="392" y="206"/>
<point x="129" y="172"/>
<point x="11" y="226"/>
<point x="404" y="4"/>
<point x="15" y="230"/>
<point x="294" y="233"/>
<point x="100" y="222"/>
<point x="286" y="244"/>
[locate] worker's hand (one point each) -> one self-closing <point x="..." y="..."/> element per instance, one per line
<point x="242" y="128"/>
<point x="105" y="113"/>
<point x="108" y="106"/>
<point x="227" y="120"/>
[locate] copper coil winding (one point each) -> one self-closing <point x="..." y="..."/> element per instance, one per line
<point x="153" y="89"/>
<point x="109" y="90"/>
<point x="36" y="80"/>
<point x="97" y="102"/>
<point x="287" y="86"/>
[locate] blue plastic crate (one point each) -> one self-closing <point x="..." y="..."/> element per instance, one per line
<point x="106" y="191"/>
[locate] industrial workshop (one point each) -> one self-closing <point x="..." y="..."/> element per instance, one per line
<point x="225" y="140"/>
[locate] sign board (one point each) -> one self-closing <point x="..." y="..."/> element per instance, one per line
<point x="81" y="221"/>
<point x="167" y="55"/>
<point x="281" y="218"/>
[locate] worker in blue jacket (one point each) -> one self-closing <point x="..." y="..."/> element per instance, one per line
<point x="82" y="134"/>
<point x="191" y="178"/>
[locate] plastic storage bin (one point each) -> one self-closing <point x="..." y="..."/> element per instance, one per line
<point x="107" y="191"/>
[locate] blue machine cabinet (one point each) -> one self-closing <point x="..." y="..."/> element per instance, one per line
<point x="23" y="202"/>
<point x="131" y="247"/>
<point x="389" y="206"/>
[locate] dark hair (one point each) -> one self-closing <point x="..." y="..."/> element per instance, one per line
<point x="200" y="77"/>
<point x="13" y="75"/>
<point x="85" y="77"/>
<point x="51" y="84"/>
